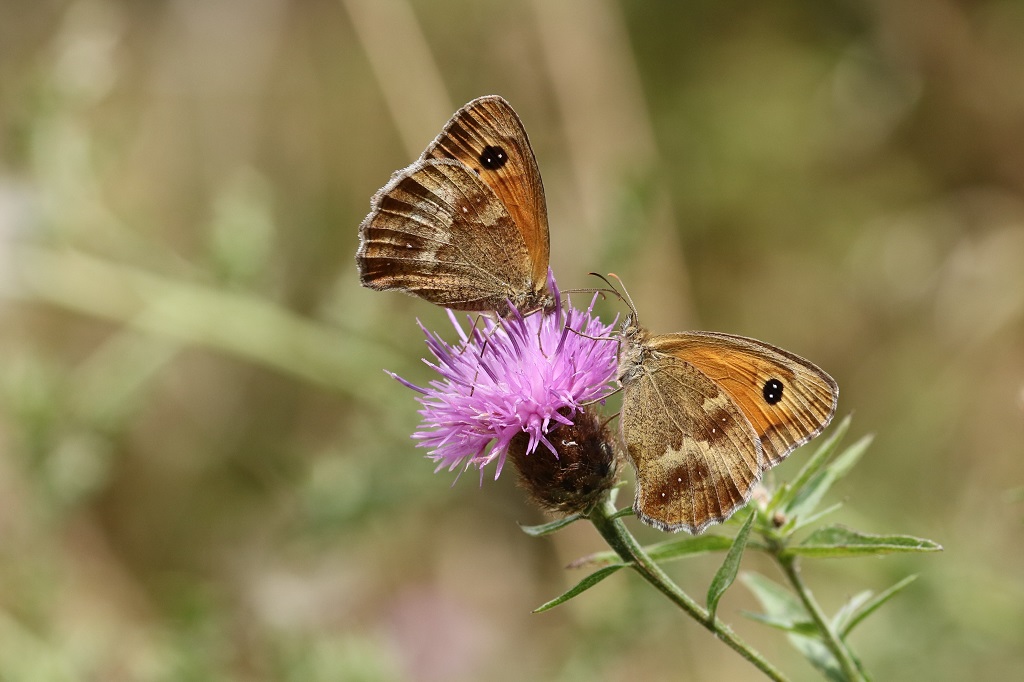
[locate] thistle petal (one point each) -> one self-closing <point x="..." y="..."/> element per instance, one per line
<point x="518" y="375"/>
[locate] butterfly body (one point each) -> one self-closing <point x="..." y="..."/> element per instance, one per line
<point x="465" y="225"/>
<point x="705" y="414"/>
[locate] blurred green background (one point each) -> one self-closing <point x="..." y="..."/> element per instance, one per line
<point x="204" y="473"/>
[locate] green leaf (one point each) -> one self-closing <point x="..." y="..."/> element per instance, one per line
<point x="549" y="528"/>
<point x="870" y="606"/>
<point x="847" y="610"/>
<point x="801" y="627"/>
<point x="662" y="551"/>
<point x="595" y="560"/>
<point x="625" y="511"/>
<point x="785" y="493"/>
<point x="798" y="522"/>
<point x="820" y="657"/>
<point x="698" y="544"/>
<point x="840" y="541"/>
<point x="785" y="611"/>
<point x="780" y="604"/>
<point x="726" y="574"/>
<point x="806" y="499"/>
<point x="580" y="587"/>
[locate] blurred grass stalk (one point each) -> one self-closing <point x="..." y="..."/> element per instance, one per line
<point x="72" y="211"/>
<point x="401" y="59"/>
<point x="238" y="324"/>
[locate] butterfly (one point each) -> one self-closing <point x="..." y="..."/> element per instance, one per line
<point x="705" y="414"/>
<point x="464" y="226"/>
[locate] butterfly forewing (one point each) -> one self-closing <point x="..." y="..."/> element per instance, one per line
<point x="438" y="232"/>
<point x="696" y="456"/>
<point x="786" y="399"/>
<point x="488" y="137"/>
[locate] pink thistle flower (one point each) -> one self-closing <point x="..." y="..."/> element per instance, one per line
<point x="521" y="374"/>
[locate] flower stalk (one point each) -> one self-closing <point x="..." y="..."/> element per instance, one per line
<point x="614" y="531"/>
<point x="788" y="564"/>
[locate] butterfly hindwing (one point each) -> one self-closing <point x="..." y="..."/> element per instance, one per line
<point x="696" y="456"/>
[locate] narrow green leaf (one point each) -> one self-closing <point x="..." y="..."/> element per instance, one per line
<point x="785" y="493"/>
<point x="798" y="522"/>
<point x="595" y="560"/>
<point x="698" y="544"/>
<point x="839" y="541"/>
<point x="779" y="603"/>
<point x="726" y="574"/>
<point x="847" y="610"/>
<point x="625" y="511"/>
<point x="785" y="611"/>
<point x="807" y="498"/>
<point x="662" y="551"/>
<point x="800" y="627"/>
<point x="872" y="605"/>
<point x="580" y="587"/>
<point x="820" y="657"/>
<point x="549" y="528"/>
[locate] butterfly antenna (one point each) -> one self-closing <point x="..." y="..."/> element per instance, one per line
<point x="480" y="317"/>
<point x="609" y="419"/>
<point x="595" y="401"/>
<point x="486" y="336"/>
<point x="624" y="296"/>
<point x="589" y="290"/>
<point x="611" y="287"/>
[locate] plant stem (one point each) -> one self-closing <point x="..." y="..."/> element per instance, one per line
<point x="849" y="667"/>
<point x="626" y="546"/>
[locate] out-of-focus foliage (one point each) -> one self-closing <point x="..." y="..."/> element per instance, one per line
<point x="204" y="473"/>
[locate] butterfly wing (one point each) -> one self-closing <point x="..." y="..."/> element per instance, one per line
<point x="696" y="456"/>
<point x="786" y="399"/>
<point x="437" y="231"/>
<point x="487" y="136"/>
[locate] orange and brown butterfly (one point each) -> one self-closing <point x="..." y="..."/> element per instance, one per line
<point x="705" y="414"/>
<point x="465" y="226"/>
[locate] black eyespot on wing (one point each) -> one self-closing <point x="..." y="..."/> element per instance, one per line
<point x="493" y="158"/>
<point x="772" y="391"/>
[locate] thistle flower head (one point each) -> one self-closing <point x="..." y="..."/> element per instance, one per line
<point x="517" y="375"/>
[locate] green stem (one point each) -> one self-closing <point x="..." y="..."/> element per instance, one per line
<point x="626" y="546"/>
<point x="849" y="667"/>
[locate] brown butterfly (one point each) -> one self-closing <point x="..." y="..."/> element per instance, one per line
<point x="465" y="226"/>
<point x="705" y="414"/>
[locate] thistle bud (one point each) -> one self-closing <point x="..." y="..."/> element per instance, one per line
<point x="585" y="467"/>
